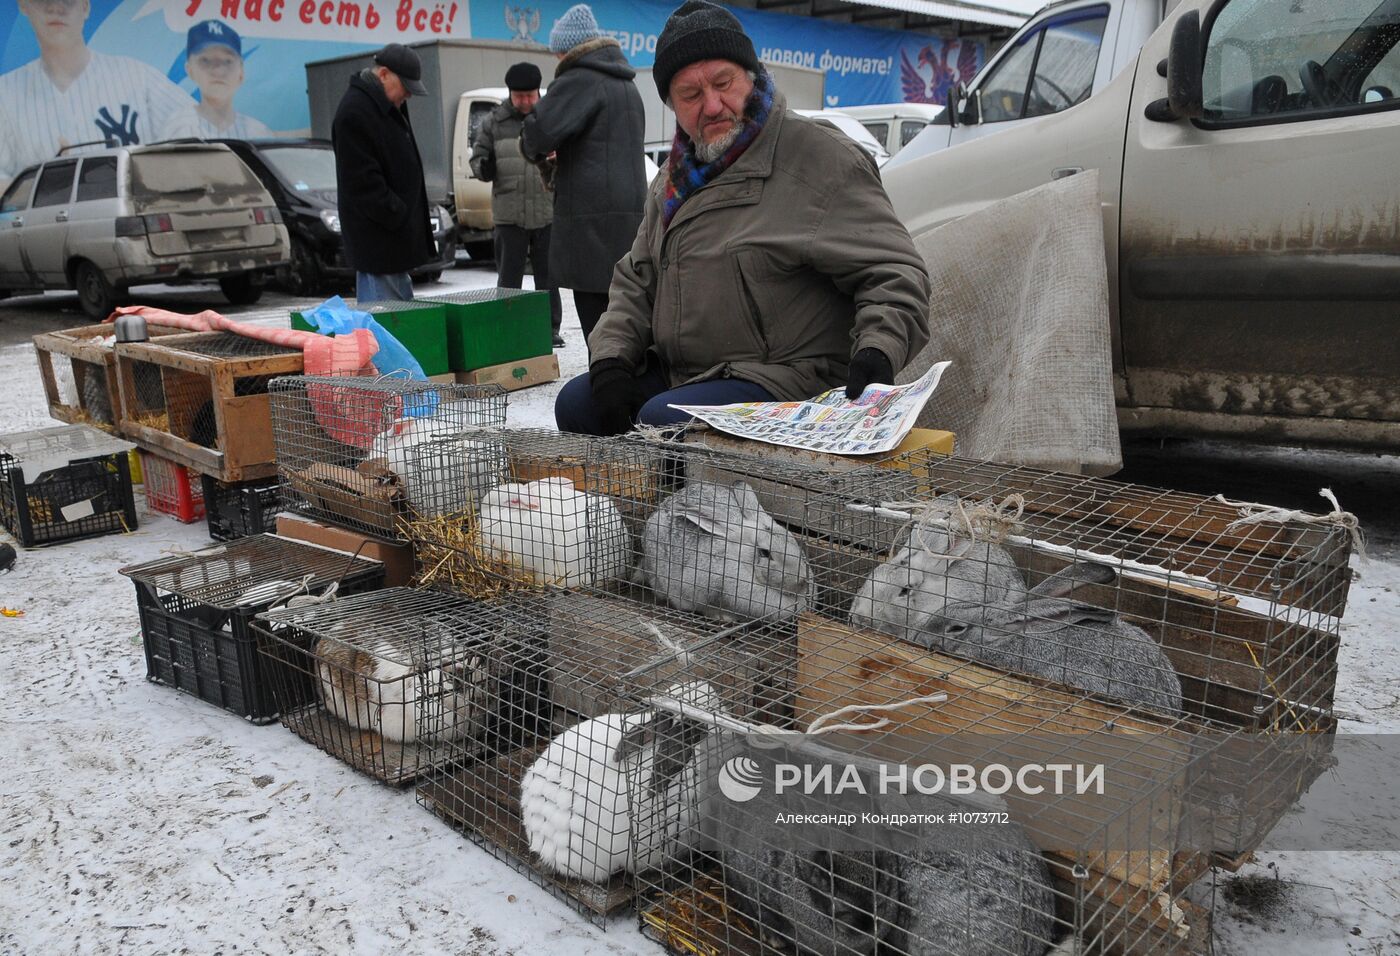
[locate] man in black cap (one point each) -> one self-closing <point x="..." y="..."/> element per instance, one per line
<point x="379" y="177"/>
<point x="521" y="207"/>
<point x="769" y="265"/>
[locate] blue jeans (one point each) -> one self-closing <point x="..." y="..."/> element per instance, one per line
<point x="573" y="409"/>
<point x="391" y="287"/>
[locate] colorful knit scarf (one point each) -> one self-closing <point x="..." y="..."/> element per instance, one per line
<point x="685" y="175"/>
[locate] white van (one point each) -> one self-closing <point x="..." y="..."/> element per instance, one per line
<point x="894" y="124"/>
<point x="1064" y="54"/>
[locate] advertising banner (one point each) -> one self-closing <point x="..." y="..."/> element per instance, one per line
<point x="135" y="71"/>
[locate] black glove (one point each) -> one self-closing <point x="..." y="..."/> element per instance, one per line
<point x="869" y="365"/>
<point x="488" y="168"/>
<point x="617" y="395"/>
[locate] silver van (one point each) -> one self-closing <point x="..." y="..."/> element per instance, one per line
<point x="101" y="222"/>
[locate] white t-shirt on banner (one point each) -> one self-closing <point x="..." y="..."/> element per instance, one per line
<point x="116" y="99"/>
<point x="188" y="122"/>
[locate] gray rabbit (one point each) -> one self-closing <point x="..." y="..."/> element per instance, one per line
<point x="931" y="570"/>
<point x="712" y="549"/>
<point x="991" y="899"/>
<point x="1047" y="635"/>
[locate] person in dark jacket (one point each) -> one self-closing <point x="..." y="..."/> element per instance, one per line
<point x="592" y="119"/>
<point x="521" y="205"/>
<point x="379" y="177"/>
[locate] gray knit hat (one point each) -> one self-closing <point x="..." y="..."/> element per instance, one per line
<point x="699" y="30"/>
<point x="574" y="27"/>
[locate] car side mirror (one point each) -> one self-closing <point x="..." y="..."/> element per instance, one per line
<point x="954" y="106"/>
<point x="1185" y="66"/>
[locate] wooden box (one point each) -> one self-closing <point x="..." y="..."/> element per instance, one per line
<point x="77" y="369"/>
<point x="201" y="399"/>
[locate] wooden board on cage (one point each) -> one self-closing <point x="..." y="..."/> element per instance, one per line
<point x="201" y="399"/>
<point x="838" y="666"/>
<point x="484" y="800"/>
<point x="596" y="640"/>
<point x="369" y="496"/>
<point x="77" y="368"/>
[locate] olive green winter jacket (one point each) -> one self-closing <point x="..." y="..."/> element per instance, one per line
<point x="776" y="272"/>
<point x="518" y="196"/>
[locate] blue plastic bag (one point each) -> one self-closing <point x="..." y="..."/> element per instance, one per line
<point x="335" y="317"/>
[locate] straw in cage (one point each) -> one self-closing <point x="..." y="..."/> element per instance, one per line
<point x="688" y="917"/>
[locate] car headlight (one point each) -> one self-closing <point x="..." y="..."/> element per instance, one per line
<point x="332" y="219"/>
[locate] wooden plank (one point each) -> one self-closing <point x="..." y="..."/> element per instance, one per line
<point x="208" y="461"/>
<point x="246" y="431"/>
<point x="51" y="393"/>
<point x="167" y="355"/>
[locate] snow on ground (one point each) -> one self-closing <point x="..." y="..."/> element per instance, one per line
<point x="136" y="819"/>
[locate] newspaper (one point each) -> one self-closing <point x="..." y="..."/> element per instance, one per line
<point x="875" y="422"/>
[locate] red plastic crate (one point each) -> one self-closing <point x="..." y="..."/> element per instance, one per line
<point x="172" y="489"/>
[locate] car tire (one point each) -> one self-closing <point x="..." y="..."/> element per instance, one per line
<point x="96" y="295"/>
<point x="241" y="289"/>
<point x="428" y="278"/>
<point x="304" y="272"/>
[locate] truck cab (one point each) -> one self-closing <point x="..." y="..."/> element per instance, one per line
<point x="1251" y="212"/>
<point x="1059" y="58"/>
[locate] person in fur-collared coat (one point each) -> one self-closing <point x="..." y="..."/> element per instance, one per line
<point x="591" y="118"/>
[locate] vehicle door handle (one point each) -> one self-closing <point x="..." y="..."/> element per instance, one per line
<point x="1064" y="172"/>
<point x="62" y="216"/>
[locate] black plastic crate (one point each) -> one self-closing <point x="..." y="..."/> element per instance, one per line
<point x="83" y="499"/>
<point x="196" y="614"/>
<point x="240" y="509"/>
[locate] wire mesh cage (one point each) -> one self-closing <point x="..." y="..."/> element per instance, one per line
<point x="201" y="398"/>
<point x="374" y="453"/>
<point x="393" y="682"/>
<point x="1149" y="626"/>
<point x="64" y="483"/>
<point x="197" y="612"/>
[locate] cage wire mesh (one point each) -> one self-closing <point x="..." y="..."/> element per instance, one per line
<point x="381" y="454"/>
<point x="197" y="612"/>
<point x="1026" y="614"/>
<point x="392" y="682"/>
<point x="165" y="394"/>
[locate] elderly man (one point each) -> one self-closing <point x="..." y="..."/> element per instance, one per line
<point x="379" y="177"/>
<point x="769" y="264"/>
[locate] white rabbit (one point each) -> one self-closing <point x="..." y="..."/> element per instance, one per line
<point x="606" y="778"/>
<point x="443" y="471"/>
<point x="399" y="702"/>
<point x="562" y="536"/>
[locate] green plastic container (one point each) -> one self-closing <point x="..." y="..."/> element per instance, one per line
<point x="494" y="326"/>
<point x="420" y="326"/>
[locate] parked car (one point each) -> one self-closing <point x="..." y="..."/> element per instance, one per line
<point x="1060" y="57"/>
<point x="894" y="124"/>
<point x="845" y="123"/>
<point x="103" y="221"/>
<point x="1249" y="199"/>
<point x="300" y="175"/>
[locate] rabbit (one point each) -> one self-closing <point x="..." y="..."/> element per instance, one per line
<point x="443" y="702"/>
<point x="562" y="536"/>
<point x="712" y="549"/>
<point x="989" y="898"/>
<point x="443" y="471"/>
<point x="607" y="778"/>
<point x="931" y="570"/>
<point x="1066" y="641"/>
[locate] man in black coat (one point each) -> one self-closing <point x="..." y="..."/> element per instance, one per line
<point x="379" y="177"/>
<point x="592" y="119"/>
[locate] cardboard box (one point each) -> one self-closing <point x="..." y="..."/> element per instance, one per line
<point x="397" y="558"/>
<point x="515" y="375"/>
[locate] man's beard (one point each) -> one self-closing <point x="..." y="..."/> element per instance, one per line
<point x="713" y="150"/>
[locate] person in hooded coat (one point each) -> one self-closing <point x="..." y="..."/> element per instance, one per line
<point x="592" y="120"/>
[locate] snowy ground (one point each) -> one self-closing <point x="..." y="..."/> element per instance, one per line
<point x="139" y="820"/>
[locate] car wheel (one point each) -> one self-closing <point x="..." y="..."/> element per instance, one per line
<point x="304" y="273"/>
<point x="241" y="289"/>
<point x="430" y="277"/>
<point x="95" y="293"/>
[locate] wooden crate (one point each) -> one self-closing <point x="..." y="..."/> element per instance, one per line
<point x="214" y="380"/>
<point x="73" y="356"/>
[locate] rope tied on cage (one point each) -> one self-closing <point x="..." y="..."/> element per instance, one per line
<point x="1253" y="514"/>
<point x="673" y="650"/>
<point x="820" y="725"/>
<point x="987" y="520"/>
